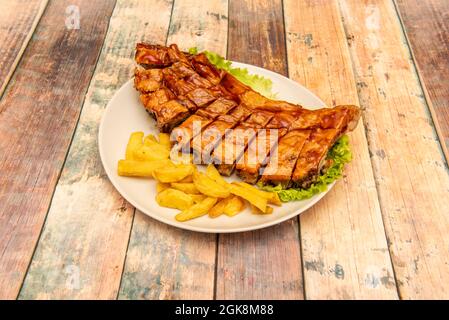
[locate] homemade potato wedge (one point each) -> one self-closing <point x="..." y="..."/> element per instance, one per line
<point x="272" y="197"/>
<point x="187" y="179"/>
<point x="149" y="140"/>
<point x="256" y="210"/>
<point x="197" y="210"/>
<point x="172" y="198"/>
<point x="218" y="208"/>
<point x="174" y="173"/>
<point x="234" y="205"/>
<point x="134" y="143"/>
<point x="164" y="140"/>
<point x="250" y="196"/>
<point x="133" y="168"/>
<point x="185" y="187"/>
<point x="213" y="173"/>
<point x="198" y="197"/>
<point x="160" y="186"/>
<point x="208" y="186"/>
<point x="151" y="152"/>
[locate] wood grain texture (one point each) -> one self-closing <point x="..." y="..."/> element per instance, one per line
<point x="38" y="114"/>
<point x="410" y="171"/>
<point x="264" y="264"/>
<point x="84" y="242"/>
<point x="16" y="27"/>
<point x="427" y="26"/>
<point x="344" y="249"/>
<point x="165" y="262"/>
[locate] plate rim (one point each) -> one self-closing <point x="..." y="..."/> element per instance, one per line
<point x="181" y="225"/>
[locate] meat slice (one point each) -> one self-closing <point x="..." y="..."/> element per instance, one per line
<point x="207" y="70"/>
<point x="201" y="96"/>
<point x="188" y="130"/>
<point x="283" y="159"/>
<point x="313" y="156"/>
<point x="152" y="56"/>
<point x="249" y="166"/>
<point x="232" y="147"/>
<point x="219" y="107"/>
<point x="169" y="115"/>
<point x="147" y="81"/>
<point x="151" y="101"/>
<point x="203" y="144"/>
<point x="252" y="98"/>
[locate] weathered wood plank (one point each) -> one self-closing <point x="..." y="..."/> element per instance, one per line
<point x="427" y="29"/>
<point x="264" y="264"/>
<point x="344" y="248"/>
<point x="164" y="262"/>
<point x="38" y="114"/>
<point x="84" y="242"/>
<point x="409" y="167"/>
<point x="24" y="16"/>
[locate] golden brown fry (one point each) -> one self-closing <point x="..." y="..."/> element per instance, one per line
<point x="246" y="194"/>
<point x="133" y="168"/>
<point x="162" y="186"/>
<point x="256" y="210"/>
<point x="174" y="173"/>
<point x="164" y="140"/>
<point x="197" y="210"/>
<point x="149" y="140"/>
<point x="218" y="208"/>
<point x="172" y="198"/>
<point x="151" y="152"/>
<point x="234" y="205"/>
<point x="198" y="197"/>
<point x="209" y="187"/>
<point x="272" y="197"/>
<point x="213" y="173"/>
<point x="185" y="187"/>
<point x="187" y="179"/>
<point x="134" y="143"/>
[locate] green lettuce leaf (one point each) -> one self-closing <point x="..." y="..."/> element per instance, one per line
<point x="340" y="154"/>
<point x="258" y="83"/>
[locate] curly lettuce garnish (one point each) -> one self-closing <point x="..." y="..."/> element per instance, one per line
<point x="340" y="154"/>
<point x="258" y="83"/>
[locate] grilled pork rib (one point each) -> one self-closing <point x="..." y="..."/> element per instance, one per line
<point x="227" y="123"/>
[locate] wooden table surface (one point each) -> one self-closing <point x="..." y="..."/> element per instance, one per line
<point x="381" y="232"/>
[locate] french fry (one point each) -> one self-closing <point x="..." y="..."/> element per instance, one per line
<point x="272" y="197"/>
<point x="172" y="198"/>
<point x="185" y="187"/>
<point x="187" y="179"/>
<point x="133" y="168"/>
<point x="162" y="186"/>
<point x="134" y="143"/>
<point x="256" y="210"/>
<point x="251" y="197"/>
<point x="198" y="197"/>
<point x="233" y="206"/>
<point x="218" y="208"/>
<point x="164" y="140"/>
<point x="208" y="186"/>
<point x="197" y="210"/>
<point x="151" y="152"/>
<point x="149" y="140"/>
<point x="174" y="173"/>
<point x="213" y="173"/>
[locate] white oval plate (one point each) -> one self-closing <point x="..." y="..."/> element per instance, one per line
<point x="124" y="114"/>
